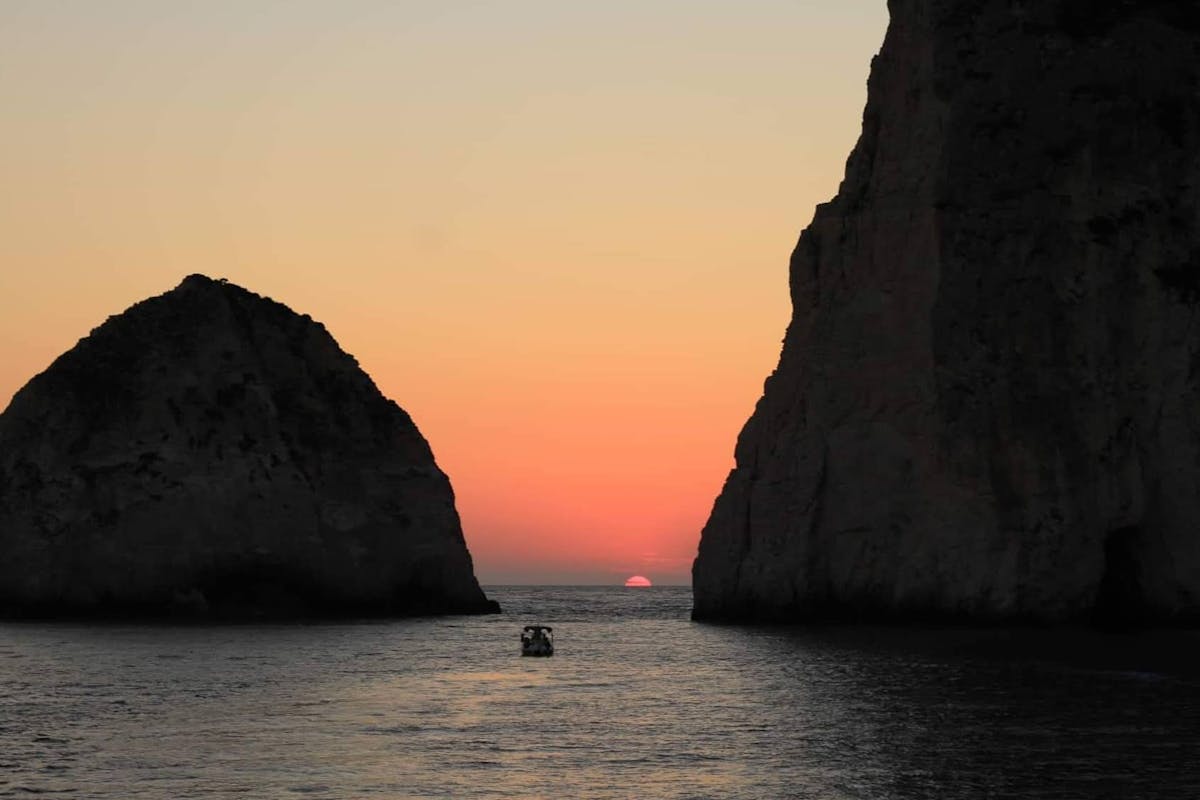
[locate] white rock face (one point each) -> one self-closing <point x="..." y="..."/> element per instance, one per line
<point x="211" y="453"/>
<point x="988" y="402"/>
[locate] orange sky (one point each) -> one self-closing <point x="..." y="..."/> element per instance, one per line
<point x="556" y="233"/>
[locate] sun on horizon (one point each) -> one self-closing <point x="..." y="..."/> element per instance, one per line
<point x="555" y="234"/>
<point x="638" y="580"/>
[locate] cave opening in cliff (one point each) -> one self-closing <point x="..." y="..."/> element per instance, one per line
<point x="1120" y="600"/>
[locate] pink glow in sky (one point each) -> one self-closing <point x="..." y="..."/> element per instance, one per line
<point x="556" y="233"/>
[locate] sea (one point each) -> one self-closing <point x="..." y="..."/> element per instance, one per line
<point x="637" y="702"/>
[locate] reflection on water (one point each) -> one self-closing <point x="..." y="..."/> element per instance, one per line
<point x="637" y="702"/>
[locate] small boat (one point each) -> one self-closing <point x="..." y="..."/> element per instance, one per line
<point x="537" y="640"/>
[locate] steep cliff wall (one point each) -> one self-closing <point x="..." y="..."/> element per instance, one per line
<point x="988" y="402"/>
<point x="211" y="453"/>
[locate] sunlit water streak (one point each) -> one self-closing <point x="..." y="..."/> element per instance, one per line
<point x="638" y="702"/>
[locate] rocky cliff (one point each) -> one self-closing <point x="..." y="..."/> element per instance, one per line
<point x="988" y="402"/>
<point x="210" y="453"/>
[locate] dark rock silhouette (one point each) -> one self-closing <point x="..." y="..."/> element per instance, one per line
<point x="987" y="407"/>
<point x="210" y="453"/>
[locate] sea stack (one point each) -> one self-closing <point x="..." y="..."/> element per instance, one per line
<point x="209" y="453"/>
<point x="987" y="407"/>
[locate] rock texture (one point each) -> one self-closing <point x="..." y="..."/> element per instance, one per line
<point x="211" y="453"/>
<point x="988" y="402"/>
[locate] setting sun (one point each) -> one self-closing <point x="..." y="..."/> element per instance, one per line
<point x="541" y="251"/>
<point x="638" y="580"/>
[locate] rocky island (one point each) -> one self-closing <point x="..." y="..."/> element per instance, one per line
<point x="209" y="453"/>
<point x="987" y="407"/>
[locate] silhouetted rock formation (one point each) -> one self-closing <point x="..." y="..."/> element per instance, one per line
<point x="211" y="453"/>
<point x="988" y="402"/>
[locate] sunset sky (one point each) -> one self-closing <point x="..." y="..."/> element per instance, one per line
<point x="555" y="232"/>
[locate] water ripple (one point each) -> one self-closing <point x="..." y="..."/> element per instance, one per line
<point x="638" y="702"/>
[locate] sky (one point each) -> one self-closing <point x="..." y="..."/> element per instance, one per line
<point x="556" y="233"/>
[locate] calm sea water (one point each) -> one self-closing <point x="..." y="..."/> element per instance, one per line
<point x="639" y="702"/>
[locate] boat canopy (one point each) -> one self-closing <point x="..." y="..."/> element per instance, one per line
<point x="546" y="628"/>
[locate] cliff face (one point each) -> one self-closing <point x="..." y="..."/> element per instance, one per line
<point x="988" y="402"/>
<point x="211" y="453"/>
